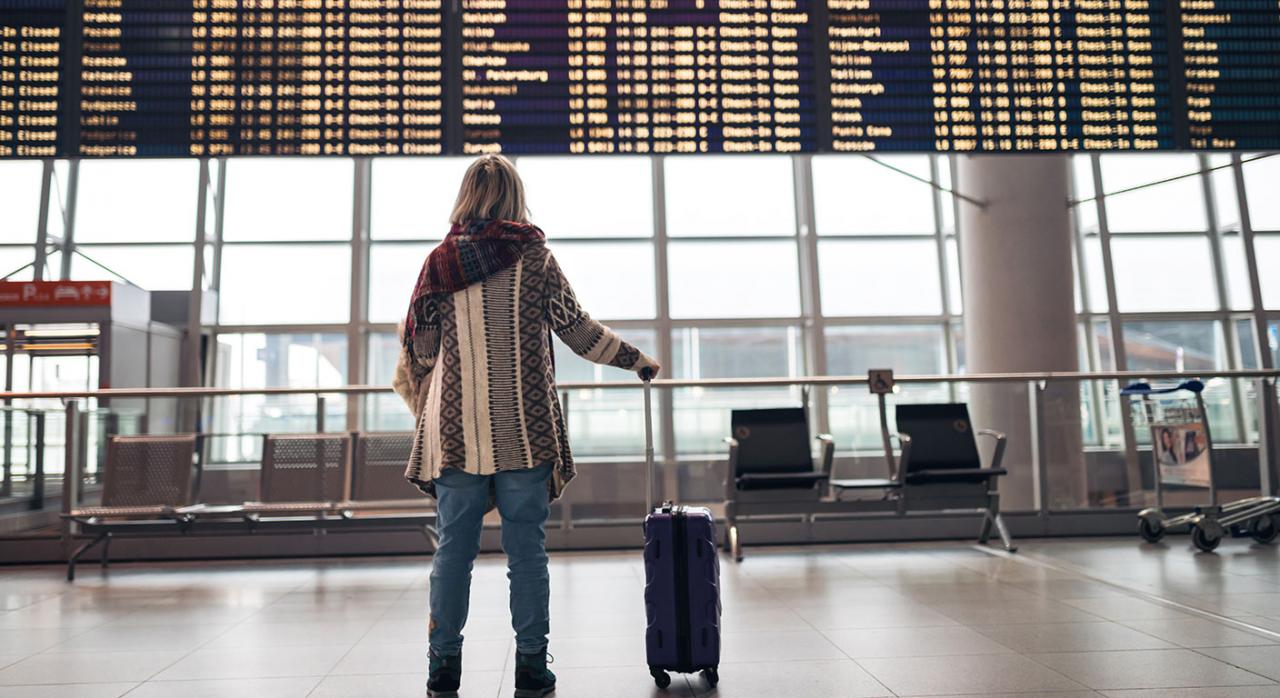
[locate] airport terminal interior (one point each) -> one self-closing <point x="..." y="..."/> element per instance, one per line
<point x="967" y="318"/>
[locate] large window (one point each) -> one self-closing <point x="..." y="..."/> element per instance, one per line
<point x="721" y="266"/>
<point x="702" y="414"/>
<point x="275" y="360"/>
<point x="1180" y="271"/>
<point x="20" y="201"/>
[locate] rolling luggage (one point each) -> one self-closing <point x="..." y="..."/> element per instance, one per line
<point x="682" y="583"/>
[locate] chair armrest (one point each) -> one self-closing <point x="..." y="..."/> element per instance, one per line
<point x="997" y="457"/>
<point x="732" y="472"/>
<point x="954" y="475"/>
<point x="904" y="457"/>
<point x="828" y="453"/>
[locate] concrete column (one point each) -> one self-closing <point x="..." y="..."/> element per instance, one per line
<point x="1019" y="315"/>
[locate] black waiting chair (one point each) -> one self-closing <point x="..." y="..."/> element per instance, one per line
<point x="771" y="467"/>
<point x="940" y="467"/>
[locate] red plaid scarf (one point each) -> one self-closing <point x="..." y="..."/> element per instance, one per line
<point x="469" y="254"/>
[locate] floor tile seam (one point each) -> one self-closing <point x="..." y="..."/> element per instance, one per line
<point x="1270" y="642"/>
<point x="855" y="661"/>
<point x="1031" y="658"/>
<point x="1014" y="650"/>
<point x="1034" y="559"/>
<point x="1270" y="681"/>
<point x="206" y="643"/>
<point x="329" y="672"/>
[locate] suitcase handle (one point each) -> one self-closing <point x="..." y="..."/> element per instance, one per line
<point x="647" y="374"/>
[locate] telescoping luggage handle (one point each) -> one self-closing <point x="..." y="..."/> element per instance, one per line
<point x="646" y="375"/>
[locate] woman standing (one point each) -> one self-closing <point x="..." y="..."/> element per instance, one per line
<point x="477" y="371"/>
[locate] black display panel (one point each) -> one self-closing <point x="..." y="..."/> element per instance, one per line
<point x="637" y="76"/>
<point x="166" y="78"/>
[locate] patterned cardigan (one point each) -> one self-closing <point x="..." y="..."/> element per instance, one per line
<point x="479" y="376"/>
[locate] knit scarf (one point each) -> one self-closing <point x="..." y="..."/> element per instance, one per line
<point x="469" y="254"/>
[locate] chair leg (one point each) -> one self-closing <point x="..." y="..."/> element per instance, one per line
<point x="75" y="556"/>
<point x="1005" y="538"/>
<point x="433" y="537"/>
<point x="735" y="545"/>
<point x="987" y="519"/>
<point x="106" y="552"/>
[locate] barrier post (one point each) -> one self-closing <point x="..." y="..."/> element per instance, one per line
<point x="71" y="474"/>
<point x="1039" y="461"/>
<point x="1268" y="432"/>
<point x="37" y="485"/>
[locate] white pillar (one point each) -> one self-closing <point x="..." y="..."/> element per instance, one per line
<point x="1019" y="313"/>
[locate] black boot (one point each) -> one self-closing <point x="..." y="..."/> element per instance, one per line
<point x="533" y="678"/>
<point x="445" y="676"/>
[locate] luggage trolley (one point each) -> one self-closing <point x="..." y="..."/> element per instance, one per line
<point x="1182" y="451"/>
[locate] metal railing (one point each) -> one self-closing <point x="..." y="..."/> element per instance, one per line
<point x="668" y="383"/>
<point x="1036" y="384"/>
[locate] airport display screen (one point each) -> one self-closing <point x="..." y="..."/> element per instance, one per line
<point x="165" y="78"/>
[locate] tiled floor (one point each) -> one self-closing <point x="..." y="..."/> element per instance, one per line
<point x="1063" y="618"/>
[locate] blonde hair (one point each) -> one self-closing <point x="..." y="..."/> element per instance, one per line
<point x="491" y="189"/>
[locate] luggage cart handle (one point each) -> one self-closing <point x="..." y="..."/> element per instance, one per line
<point x="1194" y="385"/>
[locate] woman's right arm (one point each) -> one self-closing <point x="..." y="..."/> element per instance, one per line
<point x="587" y="337"/>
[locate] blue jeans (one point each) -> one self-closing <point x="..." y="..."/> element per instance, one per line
<point x="461" y="499"/>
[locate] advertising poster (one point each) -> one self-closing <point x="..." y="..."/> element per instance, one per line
<point x="1182" y="452"/>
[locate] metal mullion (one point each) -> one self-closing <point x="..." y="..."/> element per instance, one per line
<point x="944" y="274"/>
<point x="596" y="240"/>
<point x="687" y="323"/>
<point x="195" y="300"/>
<point x="1093" y="356"/>
<point x="1118" y="353"/>
<point x="319" y="328"/>
<point x="162" y="243"/>
<point x="280" y="243"/>
<point x="405" y="243"/>
<point x="1175" y="316"/>
<point x="664" y="325"/>
<point x="1224" y="302"/>
<point x="954" y="169"/>
<point x="1108" y="268"/>
<point x="69" y="231"/>
<point x="731" y="238"/>
<point x="885" y="237"/>
<point x="1265" y="360"/>
<point x="357" y="346"/>
<point x="887" y="320"/>
<point x="813" y="333"/>
<point x="1157" y="233"/>
<point x="42" y="225"/>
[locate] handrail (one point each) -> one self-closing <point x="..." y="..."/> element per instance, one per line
<point x="1131" y="376"/>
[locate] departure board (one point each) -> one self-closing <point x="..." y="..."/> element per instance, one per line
<point x="637" y="76"/>
<point x="172" y="78"/>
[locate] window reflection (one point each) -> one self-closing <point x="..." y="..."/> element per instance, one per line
<point x="20" y="201"/>
<point x="260" y="360"/>
<point x="702" y="414"/>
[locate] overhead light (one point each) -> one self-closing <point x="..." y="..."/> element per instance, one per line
<point x="53" y="331"/>
<point x="55" y="346"/>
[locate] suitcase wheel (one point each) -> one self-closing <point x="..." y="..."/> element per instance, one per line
<point x="660" y="677"/>
<point x="712" y="675"/>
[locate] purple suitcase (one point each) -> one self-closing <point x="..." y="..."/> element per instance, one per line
<point x="682" y="585"/>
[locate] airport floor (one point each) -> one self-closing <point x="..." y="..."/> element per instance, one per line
<point x="1061" y="618"/>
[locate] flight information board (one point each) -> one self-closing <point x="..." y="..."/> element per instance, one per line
<point x="165" y="78"/>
